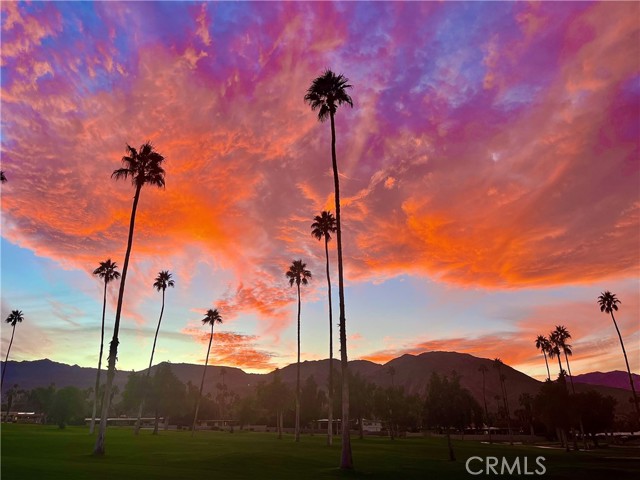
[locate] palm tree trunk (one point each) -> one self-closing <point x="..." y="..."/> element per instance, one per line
<point x="95" y="391"/>
<point x="624" y="352"/>
<point x="452" y="456"/>
<point x="346" y="459"/>
<point x="195" y="416"/>
<point x="566" y="357"/>
<point x="330" y="394"/>
<point x="4" y="370"/>
<point x="146" y="383"/>
<point x="559" y="364"/>
<point x="547" y="364"/>
<point x="297" y="435"/>
<point x="486" y="409"/>
<point x="113" y="346"/>
<point x="155" y="424"/>
<point x="506" y="409"/>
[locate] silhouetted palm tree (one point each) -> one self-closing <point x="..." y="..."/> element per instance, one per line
<point x="15" y="317"/>
<point x="298" y="274"/>
<point x="163" y="280"/>
<point x="542" y="344"/>
<point x="3" y="179"/>
<point x="608" y="303"/>
<point x="483" y="369"/>
<point x="212" y="317"/>
<point x="326" y="93"/>
<point x="108" y="272"/>
<point x="392" y="373"/>
<point x="323" y="226"/>
<point x="555" y="350"/>
<point x="497" y="363"/>
<point x="144" y="167"/>
<point x="561" y="337"/>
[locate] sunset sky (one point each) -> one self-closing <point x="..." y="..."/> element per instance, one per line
<point x="490" y="178"/>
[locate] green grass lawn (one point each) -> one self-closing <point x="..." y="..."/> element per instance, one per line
<point x="45" y="452"/>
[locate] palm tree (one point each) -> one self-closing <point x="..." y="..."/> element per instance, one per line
<point x="326" y="93"/>
<point x="608" y="303"/>
<point x="542" y="344"/>
<point x="163" y="280"/>
<point x="323" y="226"/>
<point x="298" y="274"/>
<point x="555" y="350"/>
<point x="497" y="363"/>
<point x="144" y="167"/>
<point x="561" y="336"/>
<point x="483" y="369"/>
<point x="108" y="272"/>
<point x="15" y="317"/>
<point x="212" y="317"/>
<point x="3" y="179"/>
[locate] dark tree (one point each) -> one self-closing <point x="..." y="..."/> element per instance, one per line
<point x="68" y="406"/>
<point x="597" y="412"/>
<point x="168" y="395"/>
<point x="449" y="406"/>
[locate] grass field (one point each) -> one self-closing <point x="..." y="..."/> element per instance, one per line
<point x="45" y="452"/>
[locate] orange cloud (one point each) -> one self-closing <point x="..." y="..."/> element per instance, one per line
<point x="233" y="350"/>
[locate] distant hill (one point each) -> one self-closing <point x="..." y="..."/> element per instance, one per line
<point x="410" y="371"/>
<point x="615" y="379"/>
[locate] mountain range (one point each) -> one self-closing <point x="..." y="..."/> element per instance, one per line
<point x="409" y="371"/>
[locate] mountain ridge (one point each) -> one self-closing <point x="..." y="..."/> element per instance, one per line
<point x="409" y="371"/>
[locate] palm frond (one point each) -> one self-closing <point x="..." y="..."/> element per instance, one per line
<point x="15" y="317"/>
<point x="298" y="273"/>
<point x="327" y="92"/>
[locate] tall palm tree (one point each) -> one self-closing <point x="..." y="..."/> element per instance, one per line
<point x="298" y="274"/>
<point x="212" y="317"/>
<point x="483" y="369"/>
<point x="108" y="272"/>
<point x="144" y="167"/>
<point x="163" y="280"/>
<point x="608" y="303"/>
<point x="322" y="227"/>
<point x="326" y="93"/>
<point x="542" y="344"/>
<point x="561" y="337"/>
<point x="497" y="363"/>
<point x="3" y="179"/>
<point x="15" y="317"/>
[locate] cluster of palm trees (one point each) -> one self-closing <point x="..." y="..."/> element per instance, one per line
<point x="144" y="166"/>
<point x="556" y="344"/>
